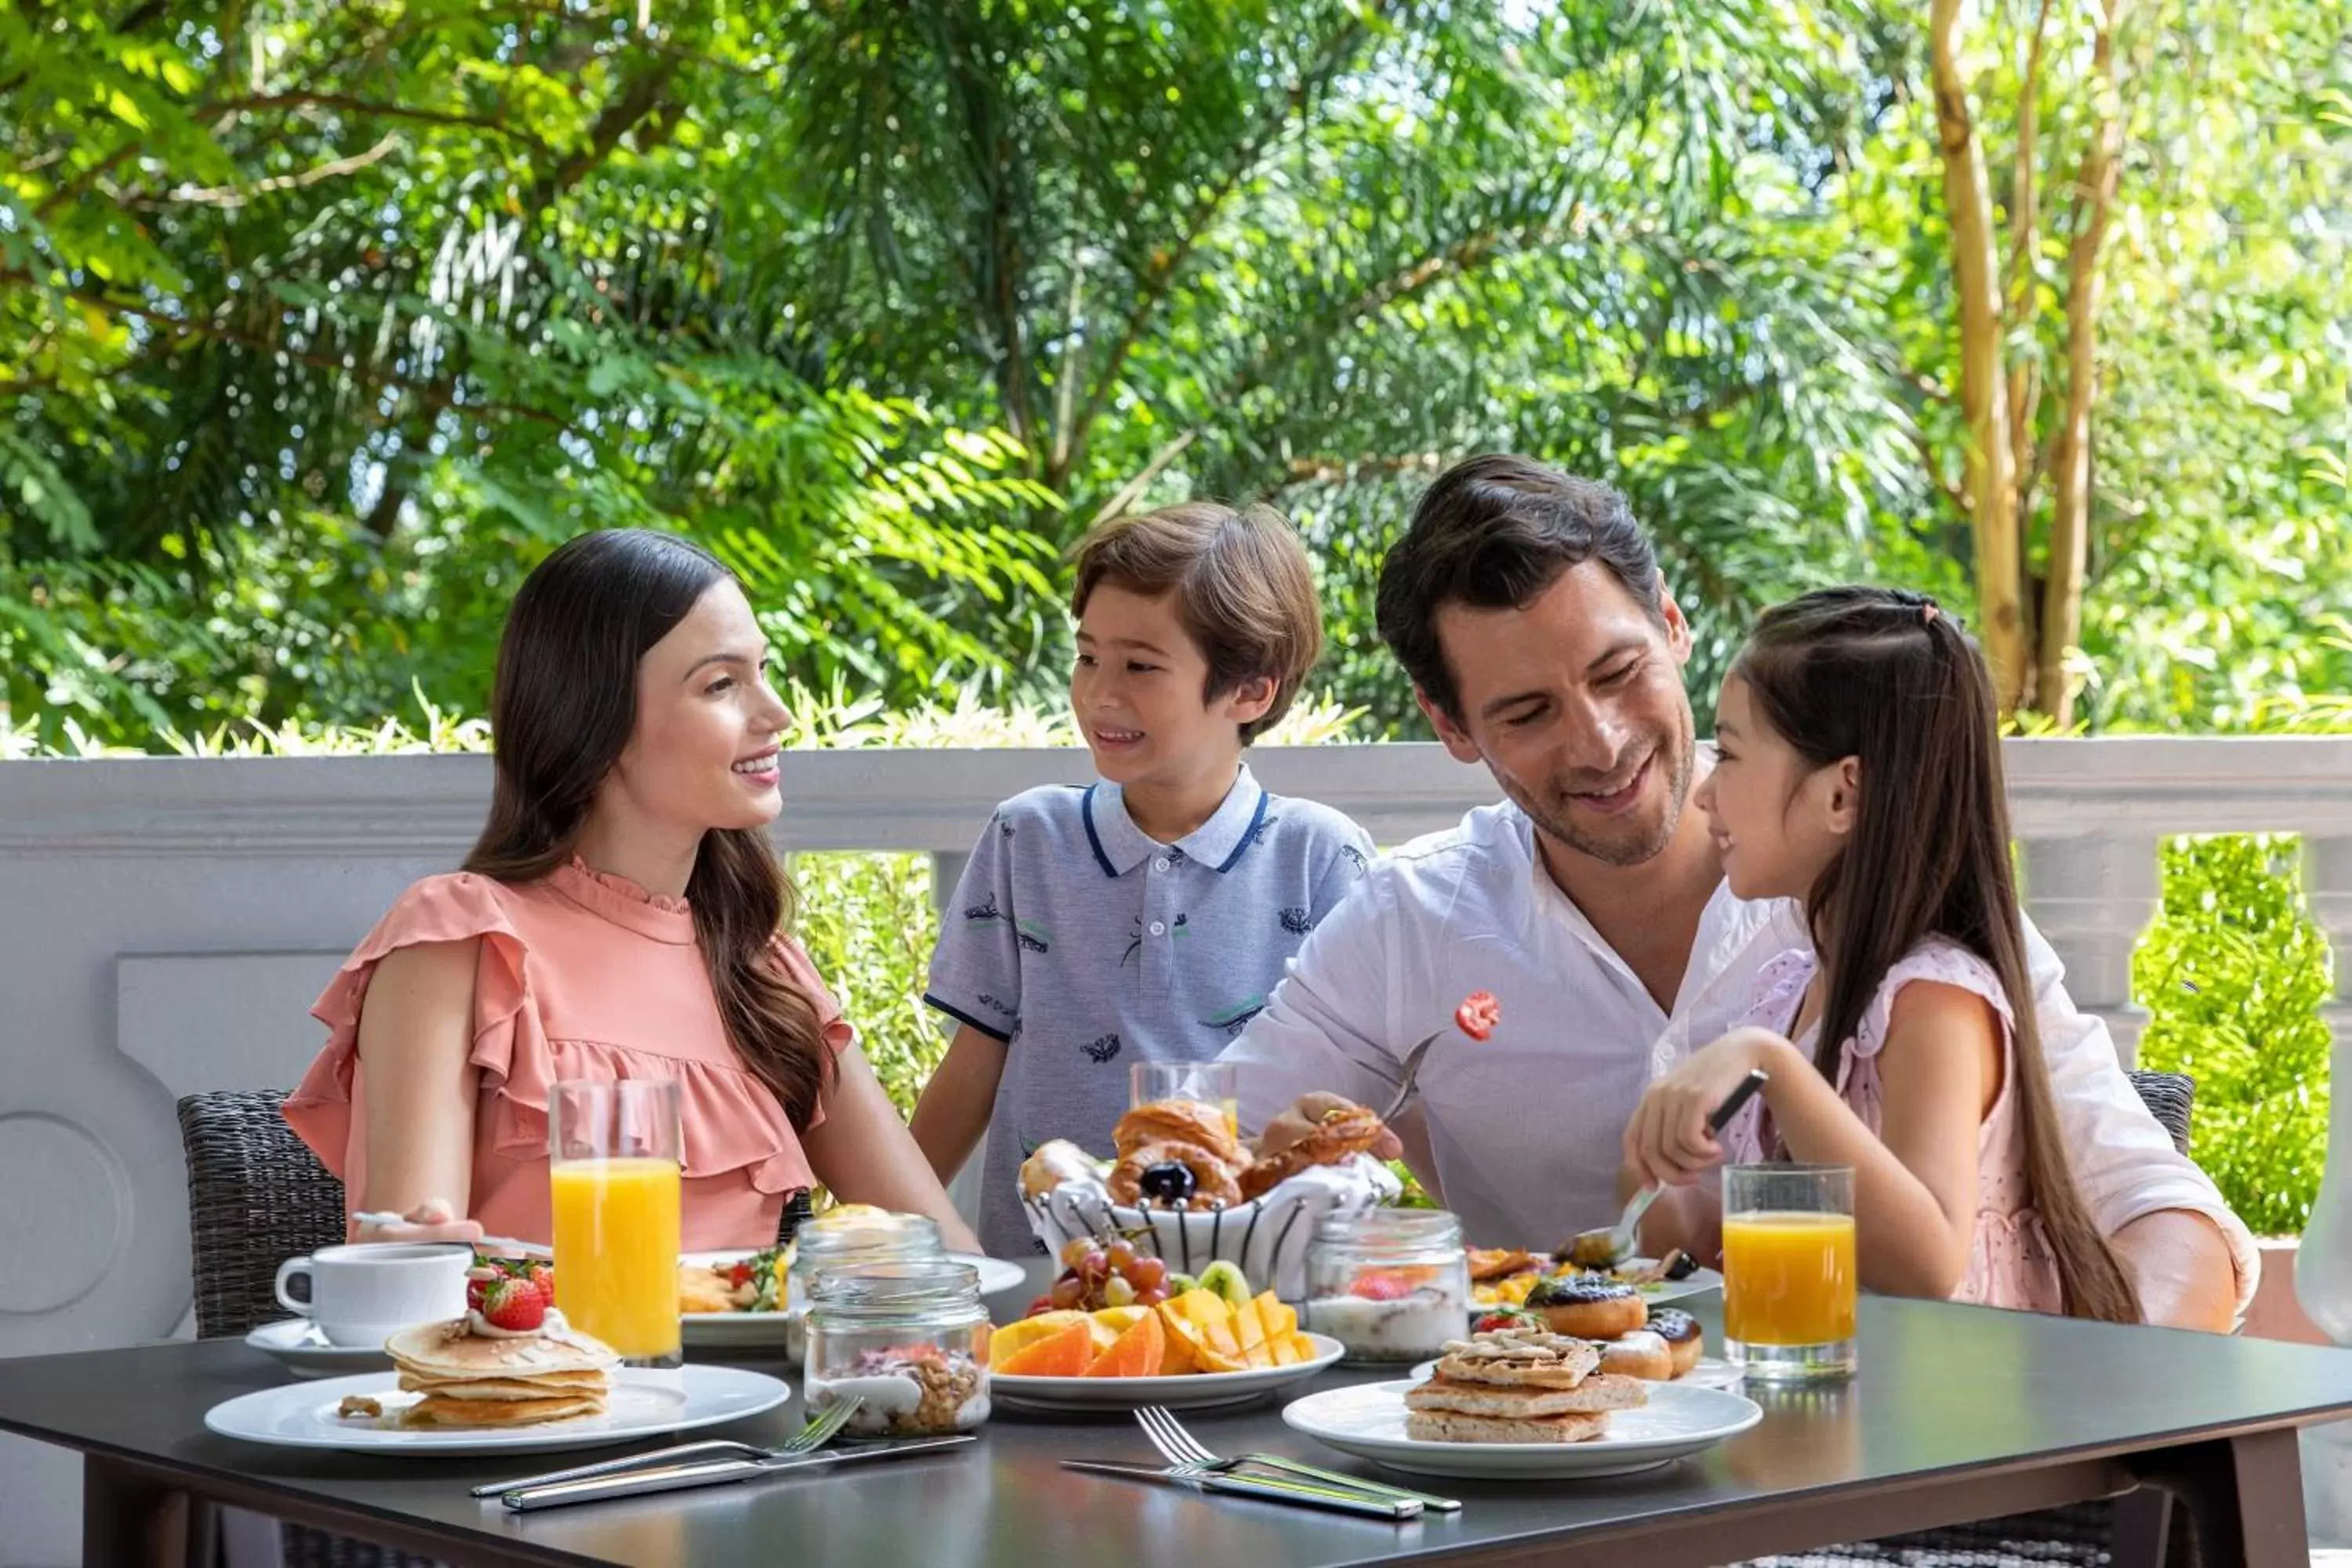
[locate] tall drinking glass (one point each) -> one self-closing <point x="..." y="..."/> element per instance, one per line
<point x="1210" y="1083"/>
<point x="1789" y="1278"/>
<point x="614" y="1148"/>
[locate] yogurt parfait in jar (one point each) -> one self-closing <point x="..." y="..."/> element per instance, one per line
<point x="909" y="1338"/>
<point x="1391" y="1285"/>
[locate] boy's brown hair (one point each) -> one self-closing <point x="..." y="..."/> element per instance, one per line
<point x="1245" y="591"/>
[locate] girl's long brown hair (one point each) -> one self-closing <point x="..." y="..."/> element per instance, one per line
<point x="562" y="705"/>
<point x="1883" y="676"/>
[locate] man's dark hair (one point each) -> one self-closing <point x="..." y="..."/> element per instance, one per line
<point x="1493" y="532"/>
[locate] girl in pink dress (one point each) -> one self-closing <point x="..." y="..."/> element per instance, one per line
<point x="621" y="916"/>
<point x="1858" y="770"/>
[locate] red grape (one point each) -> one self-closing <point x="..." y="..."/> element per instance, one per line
<point x="1068" y="1292"/>
<point x="1094" y="1268"/>
<point x="1147" y="1274"/>
<point x="1121" y="1256"/>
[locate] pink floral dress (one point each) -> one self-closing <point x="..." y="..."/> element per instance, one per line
<point x="2011" y="1263"/>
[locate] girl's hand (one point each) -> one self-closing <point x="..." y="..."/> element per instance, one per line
<point x="1667" y="1143"/>
<point x="435" y="1219"/>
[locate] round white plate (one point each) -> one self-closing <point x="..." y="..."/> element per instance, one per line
<point x="1712" y="1372"/>
<point x="1367" y="1421"/>
<point x="642" y="1402"/>
<point x="724" y="1329"/>
<point x="1190" y="1391"/>
<point x="307" y="1352"/>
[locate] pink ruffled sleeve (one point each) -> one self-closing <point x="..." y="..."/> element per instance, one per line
<point x="323" y="1108"/>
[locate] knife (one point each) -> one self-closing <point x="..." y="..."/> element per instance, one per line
<point x="710" y="1473"/>
<point x="1395" y="1509"/>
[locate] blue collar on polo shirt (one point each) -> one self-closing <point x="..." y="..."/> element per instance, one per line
<point x="1119" y="845"/>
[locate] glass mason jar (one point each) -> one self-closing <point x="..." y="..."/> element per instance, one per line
<point x="1391" y="1285"/>
<point x="910" y="1338"/>
<point x="820" y="1246"/>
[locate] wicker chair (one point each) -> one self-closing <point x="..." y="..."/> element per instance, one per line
<point x="2081" y="1534"/>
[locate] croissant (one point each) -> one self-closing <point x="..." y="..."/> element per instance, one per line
<point x="1180" y="1121"/>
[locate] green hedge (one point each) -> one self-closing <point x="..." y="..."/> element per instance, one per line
<point x="2233" y="974"/>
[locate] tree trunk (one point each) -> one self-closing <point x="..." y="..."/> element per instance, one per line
<point x="1992" y="491"/>
<point x="2070" y="532"/>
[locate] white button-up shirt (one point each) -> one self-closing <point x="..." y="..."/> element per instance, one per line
<point x="1522" y="1132"/>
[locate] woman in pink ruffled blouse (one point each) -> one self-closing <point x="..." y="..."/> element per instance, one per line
<point x="622" y="916"/>
<point x="1858" y="770"/>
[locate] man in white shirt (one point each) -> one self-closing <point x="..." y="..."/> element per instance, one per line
<point x="1528" y="610"/>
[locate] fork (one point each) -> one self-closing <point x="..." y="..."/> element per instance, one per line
<point x="807" y="1440"/>
<point x="1189" y="1455"/>
<point x="1406" y="1086"/>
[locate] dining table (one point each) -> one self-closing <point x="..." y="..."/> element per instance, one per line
<point x="1956" y="1413"/>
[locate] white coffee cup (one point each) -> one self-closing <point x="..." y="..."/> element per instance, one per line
<point x="361" y="1293"/>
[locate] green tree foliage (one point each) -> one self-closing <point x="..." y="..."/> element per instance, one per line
<point x="2233" y="974"/>
<point x="319" y="326"/>
<point x="319" y="323"/>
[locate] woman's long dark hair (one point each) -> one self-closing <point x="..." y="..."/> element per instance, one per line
<point x="562" y="706"/>
<point x="1884" y="677"/>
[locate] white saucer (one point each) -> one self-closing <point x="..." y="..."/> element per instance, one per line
<point x="307" y="1352"/>
<point x="1367" y="1421"/>
<point x="643" y="1403"/>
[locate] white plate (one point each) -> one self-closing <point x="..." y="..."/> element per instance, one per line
<point x="1191" y="1391"/>
<point x="302" y="1415"/>
<point x="724" y="1329"/>
<point x="1367" y="1421"/>
<point x="307" y="1352"/>
<point x="1711" y="1372"/>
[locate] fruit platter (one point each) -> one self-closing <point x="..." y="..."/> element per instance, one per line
<point x="1170" y="1340"/>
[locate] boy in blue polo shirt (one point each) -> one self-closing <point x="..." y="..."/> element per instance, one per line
<point x="1145" y="917"/>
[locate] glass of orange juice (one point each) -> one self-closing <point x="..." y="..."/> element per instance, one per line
<point x="613" y="1149"/>
<point x="1788" y="1281"/>
<point x="1210" y="1083"/>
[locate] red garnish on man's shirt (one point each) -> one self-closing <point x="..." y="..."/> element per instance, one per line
<point x="1478" y="1014"/>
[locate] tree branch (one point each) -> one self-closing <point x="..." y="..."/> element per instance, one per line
<point x="2071" y="454"/>
<point x="1993" y="518"/>
<point x="289" y="101"/>
<point x="2024" y="238"/>
<point x="235" y="195"/>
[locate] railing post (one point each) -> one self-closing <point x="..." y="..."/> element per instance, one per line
<point x="2327" y="893"/>
<point x="2091" y="895"/>
<point x="947" y="869"/>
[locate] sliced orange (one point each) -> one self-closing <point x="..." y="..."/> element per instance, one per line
<point x="1139" y="1352"/>
<point x="1063" y="1353"/>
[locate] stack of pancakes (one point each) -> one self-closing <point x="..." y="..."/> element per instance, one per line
<point x="475" y="1380"/>
<point x="1518" y="1386"/>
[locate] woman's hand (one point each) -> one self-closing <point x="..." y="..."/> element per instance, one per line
<point x="435" y="1219"/>
<point x="1667" y="1143"/>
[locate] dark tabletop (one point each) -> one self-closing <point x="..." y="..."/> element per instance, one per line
<point x="1945" y="1391"/>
